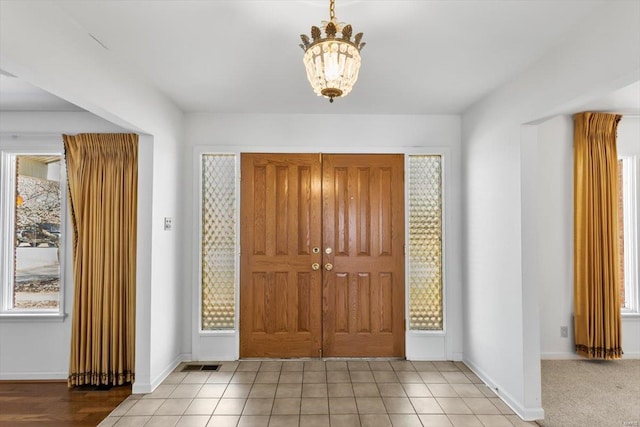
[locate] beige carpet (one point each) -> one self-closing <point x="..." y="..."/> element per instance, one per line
<point x="584" y="393"/>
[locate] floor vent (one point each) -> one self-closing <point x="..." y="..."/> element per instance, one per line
<point x="210" y="367"/>
<point x="199" y="367"/>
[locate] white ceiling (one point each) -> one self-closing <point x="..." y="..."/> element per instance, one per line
<point x="18" y="95"/>
<point x="422" y="57"/>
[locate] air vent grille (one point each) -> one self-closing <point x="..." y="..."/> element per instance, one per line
<point x="194" y="367"/>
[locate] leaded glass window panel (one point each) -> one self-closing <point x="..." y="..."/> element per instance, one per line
<point x="425" y="243"/>
<point x="218" y="241"/>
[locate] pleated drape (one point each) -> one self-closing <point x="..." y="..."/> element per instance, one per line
<point x="103" y="192"/>
<point x="597" y="321"/>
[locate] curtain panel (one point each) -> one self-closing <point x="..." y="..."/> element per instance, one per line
<point x="103" y="192"/>
<point x="597" y="320"/>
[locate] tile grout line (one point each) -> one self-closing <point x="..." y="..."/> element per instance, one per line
<point x="450" y="380"/>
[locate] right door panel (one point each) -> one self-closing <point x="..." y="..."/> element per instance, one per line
<point x="363" y="237"/>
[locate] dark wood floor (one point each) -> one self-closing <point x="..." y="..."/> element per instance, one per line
<point x="49" y="404"/>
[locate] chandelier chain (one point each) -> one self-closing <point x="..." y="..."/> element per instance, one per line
<point x="332" y="9"/>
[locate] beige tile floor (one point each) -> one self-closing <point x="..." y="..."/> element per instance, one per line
<point x="319" y="393"/>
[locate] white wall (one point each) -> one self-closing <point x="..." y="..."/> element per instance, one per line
<point x="547" y="191"/>
<point x="327" y="134"/>
<point x="502" y="318"/>
<point x="42" y="45"/>
<point x="23" y="342"/>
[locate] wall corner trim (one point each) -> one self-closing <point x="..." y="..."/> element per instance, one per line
<point x="145" y="388"/>
<point x="526" y="413"/>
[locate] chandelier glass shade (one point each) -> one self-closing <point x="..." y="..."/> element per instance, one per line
<point x="332" y="61"/>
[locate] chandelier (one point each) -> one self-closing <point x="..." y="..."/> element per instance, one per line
<point x="333" y="61"/>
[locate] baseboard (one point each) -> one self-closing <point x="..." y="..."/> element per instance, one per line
<point x="34" y="376"/>
<point x="527" y="414"/>
<point x="169" y="369"/>
<point x="573" y="356"/>
<point x="559" y="356"/>
<point x="145" y="388"/>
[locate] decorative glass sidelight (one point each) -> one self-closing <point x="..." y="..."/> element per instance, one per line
<point x="218" y="242"/>
<point x="425" y="243"/>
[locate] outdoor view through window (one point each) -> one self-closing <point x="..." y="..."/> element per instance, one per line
<point x="36" y="284"/>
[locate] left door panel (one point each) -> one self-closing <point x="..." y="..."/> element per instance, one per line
<point x="280" y="293"/>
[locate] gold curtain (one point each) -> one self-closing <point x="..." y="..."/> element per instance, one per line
<point x="597" y="319"/>
<point x="103" y="192"/>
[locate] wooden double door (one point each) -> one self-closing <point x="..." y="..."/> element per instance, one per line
<point x="322" y="255"/>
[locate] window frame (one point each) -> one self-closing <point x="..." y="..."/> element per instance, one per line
<point x="8" y="155"/>
<point x="630" y="197"/>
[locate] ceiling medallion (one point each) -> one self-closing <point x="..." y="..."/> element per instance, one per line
<point x="333" y="61"/>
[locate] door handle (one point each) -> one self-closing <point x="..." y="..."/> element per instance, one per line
<point x="315" y="266"/>
<point x="328" y="266"/>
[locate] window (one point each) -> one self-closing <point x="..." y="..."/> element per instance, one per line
<point x="218" y="217"/>
<point x="628" y="233"/>
<point x="32" y="212"/>
<point x="425" y="243"/>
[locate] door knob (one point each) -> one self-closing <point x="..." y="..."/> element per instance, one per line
<point x="328" y="266"/>
<point x="315" y="266"/>
<point x="328" y="251"/>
